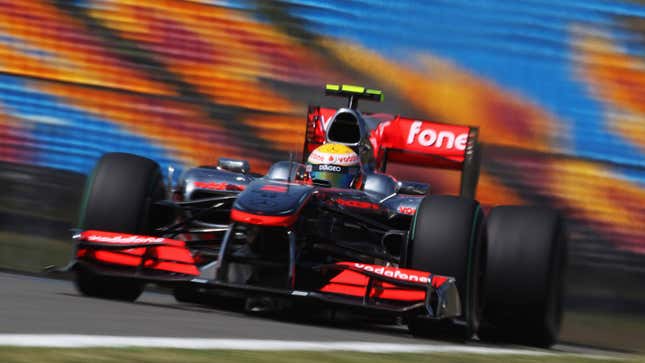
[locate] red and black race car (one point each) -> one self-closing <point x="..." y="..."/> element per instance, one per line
<point x="383" y="246"/>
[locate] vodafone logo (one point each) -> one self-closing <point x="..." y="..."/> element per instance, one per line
<point x="118" y="239"/>
<point x="329" y="168"/>
<point x="347" y="159"/>
<point x="430" y="137"/>
<point x="325" y="122"/>
<point x="407" y="210"/>
<point x="316" y="157"/>
<point x="394" y="273"/>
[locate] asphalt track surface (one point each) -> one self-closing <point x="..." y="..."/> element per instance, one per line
<point x="49" y="306"/>
<point x="37" y="305"/>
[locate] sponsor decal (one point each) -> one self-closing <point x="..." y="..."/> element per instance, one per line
<point x="357" y="204"/>
<point x="316" y="157"/>
<point x="119" y="239"/>
<point x="326" y="167"/>
<point x="324" y="121"/>
<point x="407" y="210"/>
<point x="218" y="186"/>
<point x="393" y="272"/>
<point x="347" y="159"/>
<point x="429" y="137"/>
<point x="333" y="154"/>
<point x="344" y="159"/>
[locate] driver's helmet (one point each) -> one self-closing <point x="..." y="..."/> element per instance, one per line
<point x="335" y="163"/>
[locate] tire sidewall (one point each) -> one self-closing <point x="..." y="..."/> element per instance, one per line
<point x="525" y="278"/>
<point x="448" y="238"/>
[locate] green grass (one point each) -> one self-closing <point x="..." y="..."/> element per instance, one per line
<point x="141" y="355"/>
<point x="49" y="213"/>
<point x="605" y="330"/>
<point x="30" y="253"/>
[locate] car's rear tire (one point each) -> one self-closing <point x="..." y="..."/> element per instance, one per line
<point x="447" y="238"/>
<point x="118" y="197"/>
<point x="524" y="277"/>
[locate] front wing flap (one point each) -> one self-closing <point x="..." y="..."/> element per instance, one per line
<point x="135" y="256"/>
<point x="365" y="286"/>
<point x="377" y="284"/>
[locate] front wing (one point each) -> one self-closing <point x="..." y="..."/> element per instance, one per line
<point x="373" y="287"/>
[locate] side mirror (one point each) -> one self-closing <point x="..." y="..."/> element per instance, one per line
<point x="236" y="166"/>
<point x="413" y="188"/>
<point x="286" y="170"/>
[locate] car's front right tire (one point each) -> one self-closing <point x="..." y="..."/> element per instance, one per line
<point x="447" y="238"/>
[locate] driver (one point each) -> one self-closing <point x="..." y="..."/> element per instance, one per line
<point x="337" y="164"/>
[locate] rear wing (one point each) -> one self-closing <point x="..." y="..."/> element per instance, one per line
<point x="412" y="142"/>
<point x="432" y="144"/>
<point x="400" y="139"/>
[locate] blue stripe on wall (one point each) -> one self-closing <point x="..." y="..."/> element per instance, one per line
<point x="66" y="137"/>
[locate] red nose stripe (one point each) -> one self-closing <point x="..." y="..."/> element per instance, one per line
<point x="260" y="220"/>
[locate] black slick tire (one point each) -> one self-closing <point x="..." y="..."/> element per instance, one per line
<point x="524" y="277"/>
<point x="92" y="284"/>
<point x="446" y="238"/>
<point x="118" y="197"/>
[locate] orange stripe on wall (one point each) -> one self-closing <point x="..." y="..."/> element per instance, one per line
<point x="180" y="127"/>
<point x="449" y="94"/>
<point x="223" y="52"/>
<point x="79" y="56"/>
<point x="618" y="80"/>
<point x="612" y="205"/>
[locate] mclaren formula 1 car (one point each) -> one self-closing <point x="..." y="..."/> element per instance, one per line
<point x="436" y="262"/>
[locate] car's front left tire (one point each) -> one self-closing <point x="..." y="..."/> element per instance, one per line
<point x="118" y="198"/>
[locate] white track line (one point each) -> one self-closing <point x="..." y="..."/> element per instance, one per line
<point x="86" y="341"/>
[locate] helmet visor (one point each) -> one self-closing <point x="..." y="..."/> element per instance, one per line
<point x="337" y="176"/>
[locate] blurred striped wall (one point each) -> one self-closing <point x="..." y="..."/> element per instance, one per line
<point x="557" y="87"/>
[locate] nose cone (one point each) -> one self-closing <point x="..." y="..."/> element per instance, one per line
<point x="272" y="199"/>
